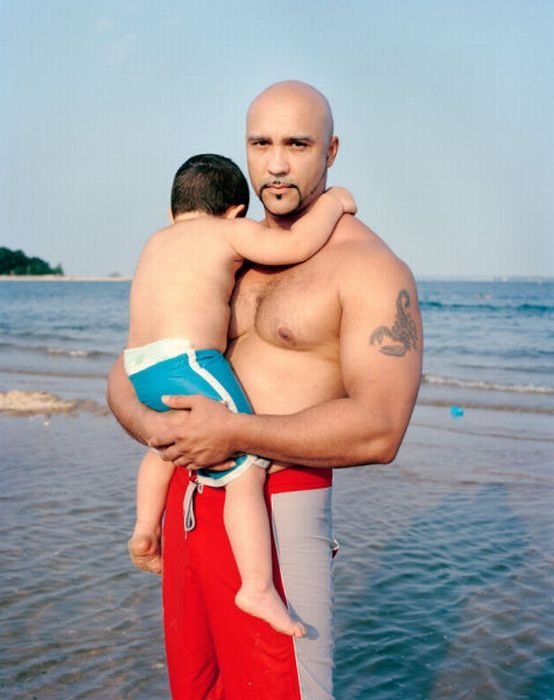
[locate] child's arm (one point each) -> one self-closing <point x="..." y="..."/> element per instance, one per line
<point x="260" y="244"/>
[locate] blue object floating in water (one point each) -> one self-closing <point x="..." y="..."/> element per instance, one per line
<point x="456" y="411"/>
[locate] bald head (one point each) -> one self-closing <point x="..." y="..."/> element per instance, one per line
<point x="289" y="145"/>
<point x="302" y="96"/>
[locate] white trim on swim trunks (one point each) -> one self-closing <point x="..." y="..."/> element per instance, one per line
<point x="144" y="356"/>
<point x="212" y="381"/>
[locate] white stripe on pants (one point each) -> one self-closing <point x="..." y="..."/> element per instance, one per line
<point x="302" y="527"/>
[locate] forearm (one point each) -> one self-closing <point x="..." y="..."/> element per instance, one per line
<point x="336" y="433"/>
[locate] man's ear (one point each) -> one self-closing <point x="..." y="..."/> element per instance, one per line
<point x="234" y="211"/>
<point x="332" y="150"/>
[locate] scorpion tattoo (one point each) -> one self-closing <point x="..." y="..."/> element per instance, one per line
<point x="403" y="332"/>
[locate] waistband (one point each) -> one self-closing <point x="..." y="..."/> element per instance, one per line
<point x="299" y="479"/>
<point x="291" y="479"/>
<point x="144" y="356"/>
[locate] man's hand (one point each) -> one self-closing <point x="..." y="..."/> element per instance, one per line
<point x="198" y="433"/>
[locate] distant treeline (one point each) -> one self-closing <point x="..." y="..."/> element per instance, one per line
<point x="15" y="262"/>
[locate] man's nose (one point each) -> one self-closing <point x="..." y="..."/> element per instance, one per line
<point x="278" y="163"/>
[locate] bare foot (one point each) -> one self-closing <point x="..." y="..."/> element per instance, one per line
<point x="145" y="554"/>
<point x="268" y="606"/>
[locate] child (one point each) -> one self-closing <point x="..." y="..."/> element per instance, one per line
<point x="179" y="305"/>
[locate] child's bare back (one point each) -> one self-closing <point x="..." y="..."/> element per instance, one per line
<point x="183" y="283"/>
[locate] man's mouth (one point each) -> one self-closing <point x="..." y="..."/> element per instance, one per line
<point x="277" y="187"/>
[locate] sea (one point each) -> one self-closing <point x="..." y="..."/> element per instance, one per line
<point x="445" y="577"/>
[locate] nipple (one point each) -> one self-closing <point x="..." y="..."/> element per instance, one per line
<point x="285" y="334"/>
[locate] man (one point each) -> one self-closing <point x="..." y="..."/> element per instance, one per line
<point x="329" y="353"/>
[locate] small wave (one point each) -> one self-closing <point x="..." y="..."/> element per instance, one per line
<point x="73" y="353"/>
<point x="488" y="386"/>
<point x="26" y="371"/>
<point x="453" y="306"/>
<point x="536" y="308"/>
<point x="431" y="305"/>
<point x="525" y="308"/>
<point x="49" y="350"/>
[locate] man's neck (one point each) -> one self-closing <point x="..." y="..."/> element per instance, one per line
<point x="282" y="222"/>
<point x="285" y="221"/>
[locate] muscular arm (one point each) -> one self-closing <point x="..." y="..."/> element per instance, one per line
<point x="267" y="246"/>
<point x="380" y="349"/>
<point x="381" y="369"/>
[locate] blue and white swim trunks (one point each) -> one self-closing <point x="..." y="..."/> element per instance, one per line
<point x="172" y="366"/>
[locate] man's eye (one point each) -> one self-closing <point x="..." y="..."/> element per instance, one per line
<point x="299" y="145"/>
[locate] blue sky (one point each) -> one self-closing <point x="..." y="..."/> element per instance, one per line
<point x="445" y="110"/>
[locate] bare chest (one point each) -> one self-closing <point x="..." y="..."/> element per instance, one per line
<point x="295" y="308"/>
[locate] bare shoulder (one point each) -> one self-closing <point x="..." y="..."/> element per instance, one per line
<point x="364" y="259"/>
<point x="205" y="233"/>
<point x="376" y="285"/>
<point x="166" y="237"/>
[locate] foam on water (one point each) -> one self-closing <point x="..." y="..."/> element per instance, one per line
<point x="488" y="386"/>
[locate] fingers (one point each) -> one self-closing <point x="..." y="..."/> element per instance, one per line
<point x="188" y="403"/>
<point x="169" y="453"/>
<point x="158" y="445"/>
<point x="351" y="209"/>
<point x="184" y="462"/>
<point x="345" y="198"/>
<point x="223" y="466"/>
<point x="179" y="402"/>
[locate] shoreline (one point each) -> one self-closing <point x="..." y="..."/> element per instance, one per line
<point x="62" y="278"/>
<point x="534" y="279"/>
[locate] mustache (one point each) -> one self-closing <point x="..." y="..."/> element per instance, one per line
<point x="274" y="183"/>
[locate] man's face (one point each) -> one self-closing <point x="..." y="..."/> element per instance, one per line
<point x="289" y="149"/>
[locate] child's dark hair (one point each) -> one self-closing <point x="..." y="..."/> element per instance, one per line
<point x="208" y="183"/>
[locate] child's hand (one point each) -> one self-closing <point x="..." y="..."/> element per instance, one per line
<point x="345" y="198"/>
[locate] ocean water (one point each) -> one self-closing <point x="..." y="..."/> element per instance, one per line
<point x="495" y="339"/>
<point x="445" y="576"/>
<point x="491" y="338"/>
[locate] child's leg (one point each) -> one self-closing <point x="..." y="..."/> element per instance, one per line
<point x="247" y="526"/>
<point x="152" y="484"/>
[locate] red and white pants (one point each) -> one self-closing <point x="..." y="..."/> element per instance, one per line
<point x="214" y="650"/>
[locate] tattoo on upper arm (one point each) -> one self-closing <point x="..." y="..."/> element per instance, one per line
<point x="403" y="331"/>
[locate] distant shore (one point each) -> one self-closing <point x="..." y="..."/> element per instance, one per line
<point x="62" y="278"/>
<point x="123" y="278"/>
